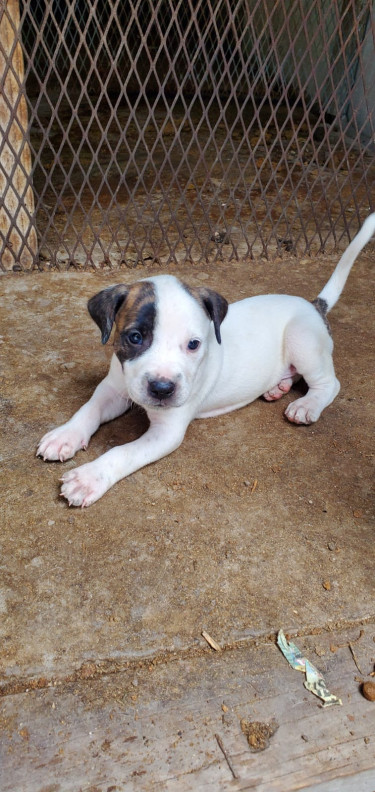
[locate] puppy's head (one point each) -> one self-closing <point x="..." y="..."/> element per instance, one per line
<point x="162" y="333"/>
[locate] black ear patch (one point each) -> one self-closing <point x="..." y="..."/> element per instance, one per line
<point x="103" y="307"/>
<point x="216" y="307"/>
<point x="213" y="303"/>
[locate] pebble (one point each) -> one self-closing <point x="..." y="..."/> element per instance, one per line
<point x="202" y="275"/>
<point x="368" y="690"/>
<point x="69" y="365"/>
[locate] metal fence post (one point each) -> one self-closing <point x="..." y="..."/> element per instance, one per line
<point x="17" y="222"/>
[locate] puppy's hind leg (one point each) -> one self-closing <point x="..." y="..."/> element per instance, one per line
<point x="312" y="358"/>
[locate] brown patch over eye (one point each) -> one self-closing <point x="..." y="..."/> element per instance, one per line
<point x="135" y="322"/>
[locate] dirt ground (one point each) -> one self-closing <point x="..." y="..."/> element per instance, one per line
<point x="253" y="525"/>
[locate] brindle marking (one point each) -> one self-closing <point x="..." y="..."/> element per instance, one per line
<point x="322" y="308"/>
<point x="213" y="303"/>
<point x="132" y="308"/>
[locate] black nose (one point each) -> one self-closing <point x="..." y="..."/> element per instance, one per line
<point x="161" y="389"/>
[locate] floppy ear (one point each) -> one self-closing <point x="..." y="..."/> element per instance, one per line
<point x="216" y="307"/>
<point x="103" y="307"/>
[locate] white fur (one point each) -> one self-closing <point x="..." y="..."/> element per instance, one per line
<point x="266" y="342"/>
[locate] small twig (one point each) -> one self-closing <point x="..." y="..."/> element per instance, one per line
<point x="253" y="488"/>
<point x="347" y="643"/>
<point x="354" y="657"/>
<point x="361" y="632"/>
<point x="350" y="645"/>
<point x="227" y="759"/>
<point x="211" y="641"/>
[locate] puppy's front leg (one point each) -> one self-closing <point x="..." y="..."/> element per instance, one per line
<point x="86" y="484"/>
<point x="105" y="404"/>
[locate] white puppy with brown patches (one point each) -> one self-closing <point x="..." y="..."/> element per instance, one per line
<point x="183" y="353"/>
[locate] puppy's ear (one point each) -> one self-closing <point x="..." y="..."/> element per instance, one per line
<point x="215" y="305"/>
<point x="103" y="308"/>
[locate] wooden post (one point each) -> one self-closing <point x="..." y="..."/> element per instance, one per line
<point x="17" y="221"/>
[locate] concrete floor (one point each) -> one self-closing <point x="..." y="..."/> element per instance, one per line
<point x="253" y="525"/>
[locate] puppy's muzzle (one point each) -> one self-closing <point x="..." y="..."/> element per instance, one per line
<point x="161" y="389"/>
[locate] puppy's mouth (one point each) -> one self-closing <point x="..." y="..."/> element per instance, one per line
<point x="164" y="403"/>
<point x="161" y="405"/>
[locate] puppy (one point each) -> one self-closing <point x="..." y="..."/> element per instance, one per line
<point x="183" y="353"/>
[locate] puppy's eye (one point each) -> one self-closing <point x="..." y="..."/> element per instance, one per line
<point x="135" y="338"/>
<point x="194" y="344"/>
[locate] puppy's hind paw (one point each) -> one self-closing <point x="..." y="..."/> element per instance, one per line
<point x="302" y="411"/>
<point x="279" y="390"/>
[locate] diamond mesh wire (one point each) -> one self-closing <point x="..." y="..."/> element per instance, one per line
<point x="183" y="129"/>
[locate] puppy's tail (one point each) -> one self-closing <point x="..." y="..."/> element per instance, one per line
<point x="333" y="288"/>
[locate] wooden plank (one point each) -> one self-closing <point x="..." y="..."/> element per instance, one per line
<point x="363" y="782"/>
<point x="155" y="726"/>
<point x="17" y="209"/>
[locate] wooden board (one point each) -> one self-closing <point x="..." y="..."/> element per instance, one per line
<point x="175" y="725"/>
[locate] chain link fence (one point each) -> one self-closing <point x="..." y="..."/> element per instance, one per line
<point x="173" y="130"/>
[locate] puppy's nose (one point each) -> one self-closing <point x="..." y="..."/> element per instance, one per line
<point x="161" y="389"/>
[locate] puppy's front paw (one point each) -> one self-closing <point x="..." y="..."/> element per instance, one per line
<point x="84" y="485"/>
<point x="61" y="443"/>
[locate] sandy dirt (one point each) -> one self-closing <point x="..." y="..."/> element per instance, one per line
<point x="251" y="525"/>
